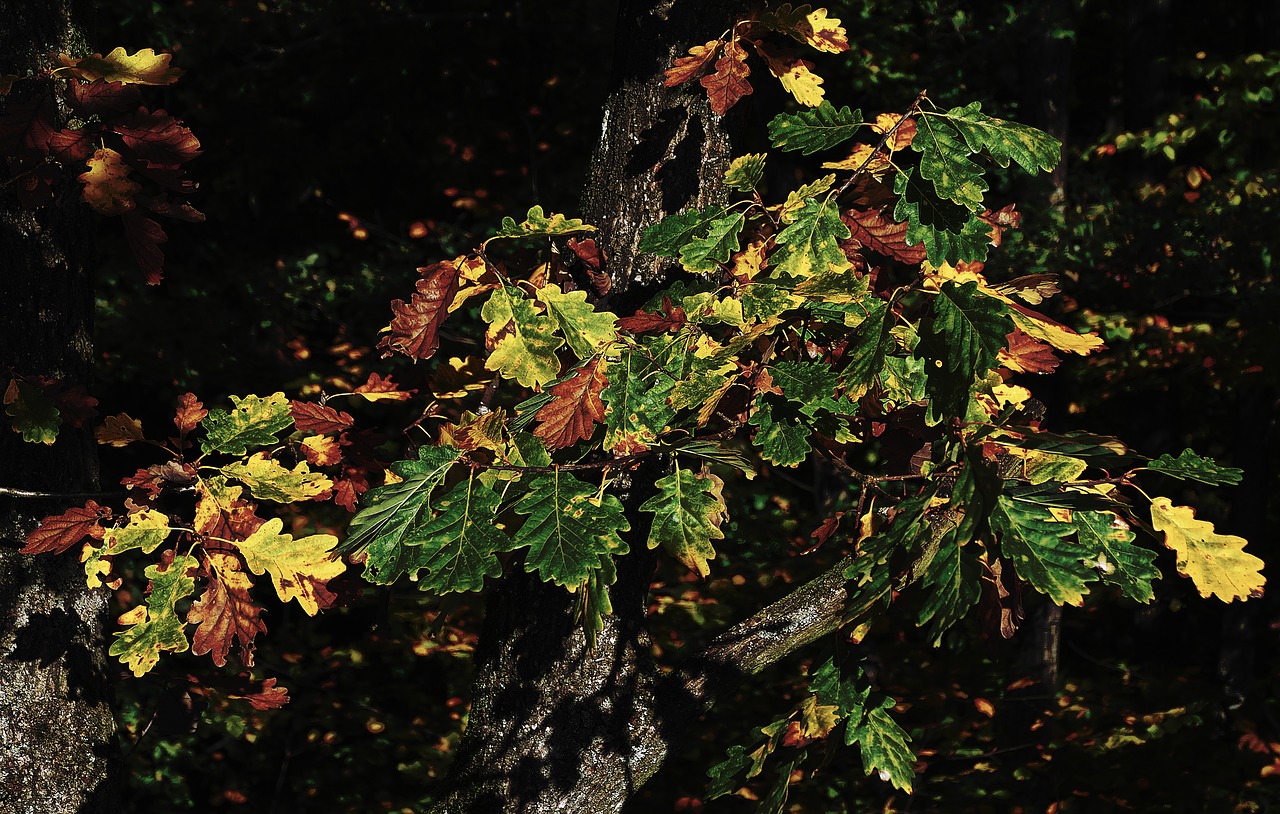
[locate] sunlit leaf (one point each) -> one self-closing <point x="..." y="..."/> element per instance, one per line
<point x="267" y="479"/>
<point x="569" y="528"/>
<point x="155" y="625"/>
<point x="300" y="568"/>
<point x="253" y="422"/>
<point x="687" y="512"/>
<point x="1217" y="563"/>
<point x="1190" y="466"/>
<point x="813" y="130"/>
<point x="538" y="224"/>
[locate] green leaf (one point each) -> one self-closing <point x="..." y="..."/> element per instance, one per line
<point x="584" y="328"/>
<point x="635" y="398"/>
<point x="960" y="342"/>
<point x="459" y="547"/>
<point x="669" y="235"/>
<point x="701" y="255"/>
<point x="1190" y="466"/>
<point x="528" y="353"/>
<point x="33" y="413"/>
<point x="745" y="172"/>
<point x="267" y="479"/>
<point x="687" y="512"/>
<point x="809" y="384"/>
<point x="724" y="775"/>
<point x="775" y="798"/>
<point x="954" y="576"/>
<point x="835" y="688"/>
<point x="594" y="603"/>
<point x="811" y="245"/>
<point x="569" y="528"/>
<point x="537" y="224"/>
<point x="949" y="232"/>
<point x="760" y="301"/>
<point x="1038" y="544"/>
<point x="944" y="161"/>
<point x="796" y="198"/>
<point x="868" y="346"/>
<point x="883" y="744"/>
<point x="1031" y="149"/>
<point x="782" y="441"/>
<point x="253" y="422"/>
<point x="392" y="512"/>
<point x="1107" y="539"/>
<point x="146" y="530"/>
<point x="157" y="626"/>
<point x="820" y="128"/>
<point x="712" y="451"/>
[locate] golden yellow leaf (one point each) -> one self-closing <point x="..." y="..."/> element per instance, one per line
<point x="878" y="164"/>
<point x="143" y="68"/>
<point x="299" y="568"/>
<point x="1216" y="563"/>
<point x="1046" y="330"/>
<point x="108" y="189"/>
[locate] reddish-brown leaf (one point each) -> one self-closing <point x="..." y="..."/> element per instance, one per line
<point x="643" y="322"/>
<point x="687" y="67"/>
<point x="870" y="228"/>
<point x="1025" y="354"/>
<point x="103" y="98"/>
<point x="190" y="413"/>
<point x="321" y="450"/>
<point x="26" y="128"/>
<point x="572" y="414"/>
<point x="70" y="146"/>
<point x="415" y="328"/>
<point x="225" y="519"/>
<point x="1001" y="220"/>
<point x="729" y="82"/>
<point x="59" y="532"/>
<point x="159" y="139"/>
<point x="264" y="696"/>
<point x="379" y="389"/>
<point x="593" y="259"/>
<point x="319" y="418"/>
<point x="347" y="490"/>
<point x="72" y="400"/>
<point x="823" y="532"/>
<point x="225" y="613"/>
<point x="144" y="480"/>
<point x="145" y="237"/>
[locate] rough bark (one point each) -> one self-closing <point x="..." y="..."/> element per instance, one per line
<point x="57" y="734"/>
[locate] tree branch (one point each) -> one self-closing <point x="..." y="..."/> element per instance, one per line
<point x="807" y="613"/>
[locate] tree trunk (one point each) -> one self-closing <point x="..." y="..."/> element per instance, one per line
<point x="57" y="734"/>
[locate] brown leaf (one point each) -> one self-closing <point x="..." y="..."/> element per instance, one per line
<point x="321" y="450"/>
<point x="223" y="518"/>
<point x="319" y="418"/>
<point x="264" y="696"/>
<point x="870" y="228"/>
<point x="145" y="237"/>
<point x="103" y="98"/>
<point x="823" y="532"/>
<point x="158" y="138"/>
<point x="593" y="259"/>
<point x="1000" y="220"/>
<point x="687" y="67"/>
<point x="643" y="322"/>
<point x="225" y="613"/>
<point x="190" y="413"/>
<point x="26" y="127"/>
<point x="59" y="532"/>
<point x="729" y="82"/>
<point x="379" y="389"/>
<point x="415" y="328"/>
<point x="71" y="146"/>
<point x="572" y="414"/>
<point x="902" y="137"/>
<point x="1027" y="355"/>
<point x="347" y="491"/>
<point x="119" y="430"/>
<point x="144" y="480"/>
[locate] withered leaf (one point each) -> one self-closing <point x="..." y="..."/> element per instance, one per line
<point x="882" y="235"/>
<point x="1027" y="355"/>
<point x="190" y="413"/>
<point x="574" y="410"/>
<point x="59" y="532"/>
<point x="319" y="418"/>
<point x="729" y="82"/>
<point x="415" y="329"/>
<point x="687" y="67"/>
<point x="225" y="613"/>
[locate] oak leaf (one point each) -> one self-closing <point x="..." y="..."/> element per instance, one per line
<point x="729" y="82"/>
<point x="155" y="626"/>
<point x="687" y="67"/>
<point x="1023" y="354"/>
<point x="108" y="189"/>
<point x="145" y="236"/>
<point x="267" y="479"/>
<point x="263" y="696"/>
<point x="119" y="430"/>
<point x="870" y="228"/>
<point x="901" y="137"/>
<point x="379" y="388"/>
<point x="1216" y="563"/>
<point x="32" y="412"/>
<point x="321" y="450"/>
<point x="813" y="28"/>
<point x="143" y="68"/>
<point x="319" y="418"/>
<point x="575" y="408"/>
<point x="190" y="413"/>
<point x="254" y="422"/>
<point x="415" y="328"/>
<point x="59" y="532"/>
<point x="795" y="74"/>
<point x="643" y="322"/>
<point x="103" y="98"/>
<point x="300" y="569"/>
<point x="158" y="138"/>
<point x="225" y="613"/>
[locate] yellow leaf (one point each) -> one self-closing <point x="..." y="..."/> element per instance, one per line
<point x="143" y="68"/>
<point x="746" y="264"/>
<point x="268" y="480"/>
<point x="1216" y="563"/>
<point x="817" y="720"/>
<point x="878" y="164"/>
<point x="1057" y="335"/>
<point x="299" y="568"/>
<point x="108" y="189"/>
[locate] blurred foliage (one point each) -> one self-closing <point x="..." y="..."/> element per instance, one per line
<point x="349" y="142"/>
